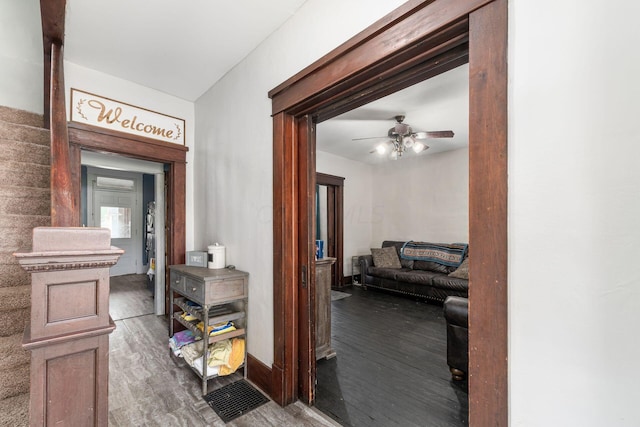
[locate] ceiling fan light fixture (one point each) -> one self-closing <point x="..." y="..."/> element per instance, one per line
<point x="402" y="137"/>
<point x="408" y="141"/>
<point x="419" y="147"/>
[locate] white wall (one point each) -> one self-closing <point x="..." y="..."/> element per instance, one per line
<point x="108" y="86"/>
<point x="21" y="63"/>
<point x="573" y="189"/>
<point x="574" y="213"/>
<point x="422" y="198"/>
<point x="234" y="146"/>
<point x="358" y="189"/>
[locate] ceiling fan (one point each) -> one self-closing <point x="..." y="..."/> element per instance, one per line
<point x="401" y="137"/>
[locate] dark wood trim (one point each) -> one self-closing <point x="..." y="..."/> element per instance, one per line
<point x="335" y="222"/>
<point x="64" y="210"/>
<point x="75" y="164"/>
<point x="52" y="13"/>
<point x="387" y="82"/>
<point x="175" y="224"/>
<point x="172" y="155"/>
<point x="108" y="141"/>
<point x="326" y="179"/>
<point x="306" y="167"/>
<point x="488" y="332"/>
<point x="330" y="80"/>
<point x="285" y="262"/>
<point x="259" y="374"/>
<point x="384" y="46"/>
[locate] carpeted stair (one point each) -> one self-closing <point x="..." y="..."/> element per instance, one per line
<point x="24" y="204"/>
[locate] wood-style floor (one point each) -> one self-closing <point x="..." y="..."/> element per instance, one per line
<point x="148" y="387"/>
<point x="390" y="368"/>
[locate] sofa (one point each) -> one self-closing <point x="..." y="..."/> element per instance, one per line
<point x="456" y="315"/>
<point x="425" y="279"/>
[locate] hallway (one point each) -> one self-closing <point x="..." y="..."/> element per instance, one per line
<point x="149" y="387"/>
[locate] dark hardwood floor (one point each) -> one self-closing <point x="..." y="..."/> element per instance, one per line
<point x="390" y="368"/>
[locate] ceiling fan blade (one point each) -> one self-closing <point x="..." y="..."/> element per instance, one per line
<point x="371" y="137"/>
<point x="434" y="134"/>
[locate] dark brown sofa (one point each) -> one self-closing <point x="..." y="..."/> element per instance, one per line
<point x="424" y="279"/>
<point x="456" y="314"/>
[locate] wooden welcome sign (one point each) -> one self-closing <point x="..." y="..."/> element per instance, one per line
<point x="106" y="113"/>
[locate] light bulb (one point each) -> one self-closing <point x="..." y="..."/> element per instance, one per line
<point x="408" y="141"/>
<point x="418" y="147"/>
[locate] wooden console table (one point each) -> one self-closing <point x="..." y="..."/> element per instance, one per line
<point x="323" y="308"/>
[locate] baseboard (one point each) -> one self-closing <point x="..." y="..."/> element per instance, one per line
<point x="259" y="374"/>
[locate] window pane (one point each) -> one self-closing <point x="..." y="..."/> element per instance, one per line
<point x="118" y="220"/>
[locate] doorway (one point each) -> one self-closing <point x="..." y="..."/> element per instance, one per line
<point x="149" y="244"/>
<point x="418" y="40"/>
<point x="329" y="222"/>
<point x="86" y="141"/>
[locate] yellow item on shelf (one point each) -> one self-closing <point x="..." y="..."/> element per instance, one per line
<point x="187" y="317"/>
<point x="235" y="358"/>
<point x="200" y="326"/>
<point x="218" y="328"/>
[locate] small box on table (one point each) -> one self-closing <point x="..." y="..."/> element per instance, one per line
<point x="197" y="258"/>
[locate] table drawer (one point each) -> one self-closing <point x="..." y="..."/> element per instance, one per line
<point x="194" y="289"/>
<point x="226" y="290"/>
<point x="176" y="281"/>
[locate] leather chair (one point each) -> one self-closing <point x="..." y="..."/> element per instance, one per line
<point x="456" y="312"/>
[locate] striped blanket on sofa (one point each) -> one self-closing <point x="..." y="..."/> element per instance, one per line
<point x="447" y="254"/>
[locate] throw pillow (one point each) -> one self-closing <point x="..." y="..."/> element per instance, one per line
<point x="385" y="257"/>
<point x="463" y="271"/>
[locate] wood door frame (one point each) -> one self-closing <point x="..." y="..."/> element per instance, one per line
<point x="336" y="183"/>
<point x="420" y="39"/>
<point x="172" y="155"/>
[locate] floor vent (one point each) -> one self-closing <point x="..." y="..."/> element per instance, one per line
<point x="234" y="400"/>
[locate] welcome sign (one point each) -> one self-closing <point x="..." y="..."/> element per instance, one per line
<point x="109" y="114"/>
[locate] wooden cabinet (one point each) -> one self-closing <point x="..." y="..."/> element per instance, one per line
<point x="323" y="308"/>
<point x="220" y="295"/>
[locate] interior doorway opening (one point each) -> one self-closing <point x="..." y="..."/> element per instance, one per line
<point x="401" y="338"/>
<point x="128" y="196"/>
<point x="330" y="222"/>
<point x="418" y="40"/>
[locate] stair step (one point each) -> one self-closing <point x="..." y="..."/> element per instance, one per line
<point x="19" y="174"/>
<point x="12" y="275"/>
<point x="13" y="353"/>
<point x="14" y="321"/>
<point x="15" y="239"/>
<point x="14" y="381"/>
<point x="24" y="221"/>
<point x="16" y="132"/>
<point x="16" y="232"/>
<point x="21" y="150"/>
<point x="23" y="117"/>
<point x="14" y="411"/>
<point x="25" y="201"/>
<point x="15" y="298"/>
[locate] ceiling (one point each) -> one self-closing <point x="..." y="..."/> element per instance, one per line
<point x="175" y="49"/>
<point x="439" y="103"/>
